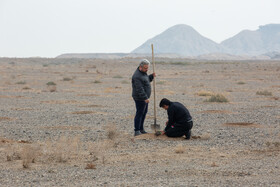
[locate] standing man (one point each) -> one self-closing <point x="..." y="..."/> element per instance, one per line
<point x="179" y="119"/>
<point x="141" y="92"/>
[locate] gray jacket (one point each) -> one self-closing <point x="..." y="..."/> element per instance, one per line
<point x="141" y="87"/>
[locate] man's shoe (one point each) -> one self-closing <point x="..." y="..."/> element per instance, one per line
<point x="188" y="135"/>
<point x="137" y="133"/>
<point x="143" y="132"/>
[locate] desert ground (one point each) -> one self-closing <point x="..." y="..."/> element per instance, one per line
<point x="69" y="122"/>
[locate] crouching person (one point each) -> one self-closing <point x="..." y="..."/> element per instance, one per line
<point x="179" y="119"/>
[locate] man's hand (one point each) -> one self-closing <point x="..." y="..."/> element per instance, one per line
<point x="166" y="123"/>
<point x="147" y="101"/>
<point x="154" y="74"/>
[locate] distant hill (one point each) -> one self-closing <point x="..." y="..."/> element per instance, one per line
<point x="92" y="55"/>
<point x="183" y="40"/>
<point x="115" y="55"/>
<point x="265" y="39"/>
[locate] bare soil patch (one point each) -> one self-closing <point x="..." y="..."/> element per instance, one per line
<point x="215" y="112"/>
<point x="5" y="119"/>
<point x="242" y="125"/>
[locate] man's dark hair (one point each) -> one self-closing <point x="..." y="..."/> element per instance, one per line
<point x="164" y="101"/>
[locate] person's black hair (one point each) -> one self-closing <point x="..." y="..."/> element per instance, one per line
<point x="164" y="101"/>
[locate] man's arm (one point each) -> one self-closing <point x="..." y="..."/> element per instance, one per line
<point x="170" y="122"/>
<point x="152" y="76"/>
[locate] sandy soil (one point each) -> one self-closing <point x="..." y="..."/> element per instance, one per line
<point x="79" y="132"/>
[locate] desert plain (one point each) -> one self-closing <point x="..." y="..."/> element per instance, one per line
<point x="69" y="122"/>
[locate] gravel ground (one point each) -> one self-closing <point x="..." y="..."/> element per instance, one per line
<point x="49" y="135"/>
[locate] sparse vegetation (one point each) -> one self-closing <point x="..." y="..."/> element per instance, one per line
<point x="118" y="76"/>
<point x="181" y="63"/>
<point x="204" y="93"/>
<point x="67" y="79"/>
<point x="26" y="88"/>
<point x="217" y="98"/>
<point x="90" y="166"/>
<point x="51" y="83"/>
<point x="28" y="155"/>
<point x="179" y="149"/>
<point x="97" y="82"/>
<point x="265" y="93"/>
<point x="240" y="82"/>
<point x="111" y="131"/>
<point x="21" y="82"/>
<point x="52" y="88"/>
<point x="161" y="82"/>
<point x="125" y="82"/>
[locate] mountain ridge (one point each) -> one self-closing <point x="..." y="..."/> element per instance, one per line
<point x="184" y="40"/>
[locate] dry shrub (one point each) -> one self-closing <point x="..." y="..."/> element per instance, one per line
<point x="214" y="164"/>
<point x="90" y="166"/>
<point x="83" y="112"/>
<point x="21" y="82"/>
<point x="217" y="98"/>
<point x="51" y="83"/>
<point x="205" y="136"/>
<point x="125" y="82"/>
<point x="240" y="82"/>
<point x="67" y="79"/>
<point x="179" y="149"/>
<point x="118" y="76"/>
<point x="29" y="154"/>
<point x="97" y="81"/>
<point x="26" y="88"/>
<point x="111" y="131"/>
<point x="13" y="152"/>
<point x="63" y="149"/>
<point x="52" y="88"/>
<point x="204" y="93"/>
<point x="265" y="93"/>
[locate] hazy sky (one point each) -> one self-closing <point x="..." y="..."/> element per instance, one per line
<point x="49" y="28"/>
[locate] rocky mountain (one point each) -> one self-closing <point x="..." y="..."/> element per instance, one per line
<point x="183" y="40"/>
<point x="265" y="39"/>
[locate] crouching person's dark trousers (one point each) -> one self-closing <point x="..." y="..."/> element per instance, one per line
<point x="141" y="111"/>
<point x="178" y="130"/>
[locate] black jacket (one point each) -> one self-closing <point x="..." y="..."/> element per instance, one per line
<point x="141" y="87"/>
<point x="178" y="115"/>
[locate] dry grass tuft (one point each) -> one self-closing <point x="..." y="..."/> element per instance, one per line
<point x="83" y="112"/>
<point x="52" y="88"/>
<point x="97" y="82"/>
<point x="26" y="88"/>
<point x="204" y="93"/>
<point x="90" y="166"/>
<point x="214" y="164"/>
<point x="29" y="154"/>
<point x="63" y="149"/>
<point x="240" y="82"/>
<point x="217" y="98"/>
<point x="125" y="82"/>
<point x="265" y="93"/>
<point x="51" y="83"/>
<point x="179" y="149"/>
<point x="205" y="136"/>
<point x="21" y="82"/>
<point x="111" y="130"/>
<point x="118" y="77"/>
<point x="5" y="118"/>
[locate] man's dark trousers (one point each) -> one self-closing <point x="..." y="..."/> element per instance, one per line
<point x="176" y="131"/>
<point x="141" y="111"/>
